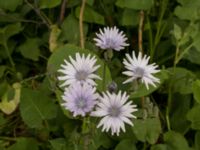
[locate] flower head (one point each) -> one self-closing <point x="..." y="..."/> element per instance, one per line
<point x="81" y="69"/>
<point x="138" y="68"/>
<point x="79" y="98"/>
<point x="111" y="38"/>
<point x="115" y="112"/>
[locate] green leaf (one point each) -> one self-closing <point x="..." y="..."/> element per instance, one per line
<point x="196" y="90"/>
<point x="36" y="107"/>
<point x="10" y="4"/>
<point x="8" y="31"/>
<point x="175" y="141"/>
<point x="70" y="30"/>
<point x="177" y="32"/>
<point x="193" y="117"/>
<point x="49" y="3"/>
<point x="2" y="69"/>
<point x="135" y="4"/>
<point x="182" y="80"/>
<point x="24" y="144"/>
<point x="143" y="91"/>
<point x="126" y="144"/>
<point x="90" y="15"/>
<point x="57" y="58"/>
<point x="159" y="147"/>
<point x="30" y="49"/>
<point x="58" y="144"/>
<point x="147" y="130"/>
<point x="53" y="39"/>
<point x="130" y="18"/>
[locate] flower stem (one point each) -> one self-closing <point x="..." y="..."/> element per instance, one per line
<point x="140" y="31"/>
<point x="82" y="42"/>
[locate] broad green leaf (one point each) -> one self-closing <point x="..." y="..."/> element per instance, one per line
<point x="182" y="80"/>
<point x="193" y="55"/>
<point x="24" y="144"/>
<point x="30" y="49"/>
<point x="135" y="4"/>
<point x="147" y="130"/>
<point x="159" y="147"/>
<point x="10" y="4"/>
<point x="177" y="32"/>
<point x="8" y="105"/>
<point x="126" y="144"/>
<point x="196" y="90"/>
<point x="143" y="91"/>
<point x="49" y="3"/>
<point x="58" y="144"/>
<point x="57" y="58"/>
<point x="70" y="30"/>
<point x="179" y="108"/>
<point x="197" y="140"/>
<point x="36" y="107"/>
<point x="175" y="141"/>
<point x="193" y="117"/>
<point x="90" y="15"/>
<point x="130" y="18"/>
<point x="8" y="31"/>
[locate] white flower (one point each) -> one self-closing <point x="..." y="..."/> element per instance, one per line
<point x="138" y="68"/>
<point x="115" y="110"/>
<point x="111" y="38"/>
<point x="81" y="69"/>
<point x="80" y="98"/>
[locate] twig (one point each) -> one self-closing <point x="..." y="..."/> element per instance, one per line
<point x="62" y="11"/>
<point x="81" y="24"/>
<point x="140" y="31"/>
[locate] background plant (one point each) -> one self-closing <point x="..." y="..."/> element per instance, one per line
<point x="35" y="37"/>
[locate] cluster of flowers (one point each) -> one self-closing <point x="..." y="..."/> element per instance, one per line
<point x="79" y="75"/>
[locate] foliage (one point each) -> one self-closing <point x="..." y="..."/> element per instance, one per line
<point x="37" y="35"/>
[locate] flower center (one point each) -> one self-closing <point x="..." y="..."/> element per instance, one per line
<point x="110" y="43"/>
<point x="114" y="111"/>
<point x="81" y="102"/>
<point x="139" y="72"/>
<point x="81" y="75"/>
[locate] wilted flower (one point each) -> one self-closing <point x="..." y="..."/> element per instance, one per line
<point x="81" y="69"/>
<point x="79" y="98"/>
<point x="138" y="68"/>
<point x="115" y="112"/>
<point x="111" y="38"/>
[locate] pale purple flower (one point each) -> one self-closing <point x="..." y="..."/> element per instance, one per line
<point x="79" y="98"/>
<point x="111" y="38"/>
<point x="115" y="112"/>
<point x="81" y="69"/>
<point x="138" y="68"/>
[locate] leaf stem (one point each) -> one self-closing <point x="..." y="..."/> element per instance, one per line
<point x="140" y="31"/>
<point x="82" y="42"/>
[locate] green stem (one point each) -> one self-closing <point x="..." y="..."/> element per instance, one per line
<point x="150" y="37"/>
<point x="169" y="100"/>
<point x="9" y="56"/>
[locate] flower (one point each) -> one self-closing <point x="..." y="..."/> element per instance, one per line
<point x="115" y="110"/>
<point x="81" y="69"/>
<point x="111" y="38"/>
<point x="138" y="68"/>
<point x="79" y="98"/>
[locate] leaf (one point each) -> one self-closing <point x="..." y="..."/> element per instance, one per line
<point x="58" y="144"/>
<point x="143" y="91"/>
<point x="90" y="15"/>
<point x="53" y="39"/>
<point x="126" y="144"/>
<point x="175" y="141"/>
<point x="2" y="69"/>
<point x="70" y="30"/>
<point x="10" y="4"/>
<point x="197" y="140"/>
<point x="24" y="144"/>
<point x="36" y="107"/>
<point x="147" y="130"/>
<point x="57" y="58"/>
<point x="182" y="80"/>
<point x="30" y="49"/>
<point x="49" y="3"/>
<point x="159" y="147"/>
<point x="130" y="17"/>
<point x="135" y="4"/>
<point x="8" y="31"/>
<point x="177" y="32"/>
<point x="7" y="105"/>
<point x="196" y="90"/>
<point x="193" y="117"/>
